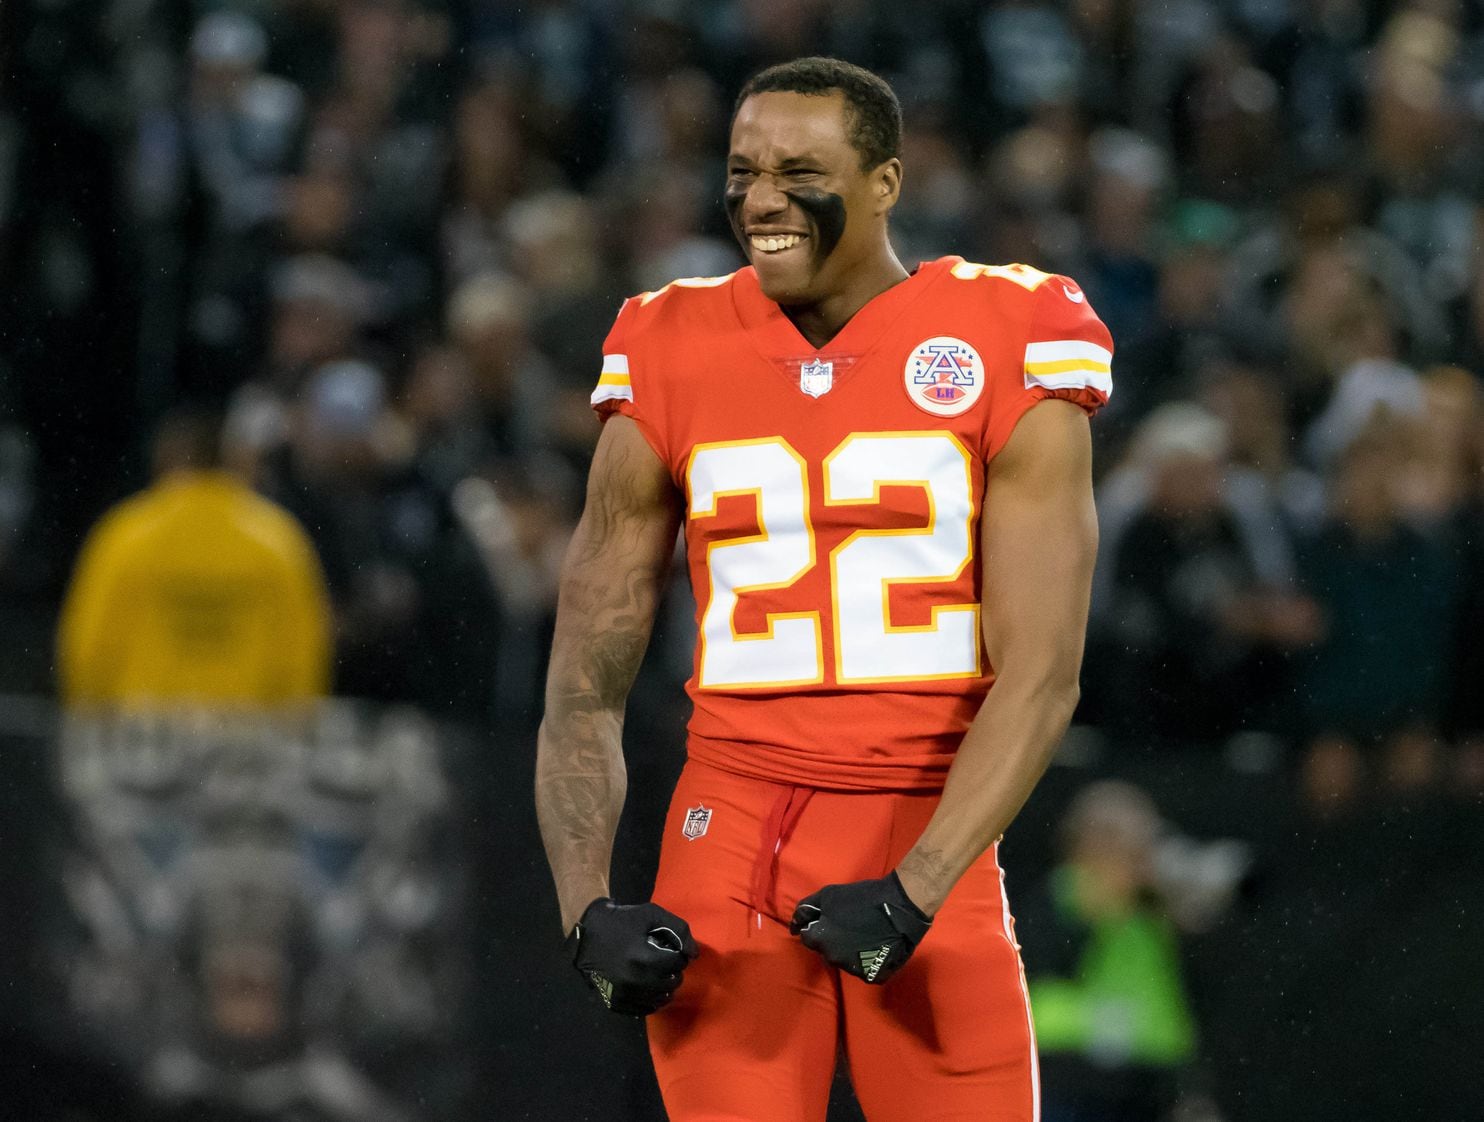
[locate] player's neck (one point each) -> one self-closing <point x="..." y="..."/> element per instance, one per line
<point x="822" y="321"/>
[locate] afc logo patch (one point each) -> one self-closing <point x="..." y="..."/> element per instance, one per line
<point x="697" y="820"/>
<point x="944" y="376"/>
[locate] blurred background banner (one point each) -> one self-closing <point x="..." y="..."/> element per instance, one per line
<point x="300" y="305"/>
<point x="264" y="916"/>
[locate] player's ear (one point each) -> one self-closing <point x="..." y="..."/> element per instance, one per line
<point x="886" y="183"/>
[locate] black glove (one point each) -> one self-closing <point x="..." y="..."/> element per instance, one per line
<point x="632" y="954"/>
<point x="868" y="928"/>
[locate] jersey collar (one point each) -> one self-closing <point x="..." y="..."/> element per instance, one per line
<point x="777" y="338"/>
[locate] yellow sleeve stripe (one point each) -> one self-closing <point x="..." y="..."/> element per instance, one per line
<point x="613" y="382"/>
<point x="1067" y="365"/>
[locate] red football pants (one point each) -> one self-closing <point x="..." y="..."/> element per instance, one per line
<point x="754" y="1030"/>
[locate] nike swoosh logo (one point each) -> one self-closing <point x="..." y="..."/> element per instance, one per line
<point x="1074" y="297"/>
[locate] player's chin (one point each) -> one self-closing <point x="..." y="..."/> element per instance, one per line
<point x="784" y="281"/>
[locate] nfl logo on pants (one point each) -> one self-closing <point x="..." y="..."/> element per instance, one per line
<point x="697" y="818"/>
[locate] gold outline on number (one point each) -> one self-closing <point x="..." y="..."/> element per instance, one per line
<point x="760" y="536"/>
<point x="889" y="628"/>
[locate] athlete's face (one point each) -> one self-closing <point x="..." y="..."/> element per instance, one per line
<point x="802" y="207"/>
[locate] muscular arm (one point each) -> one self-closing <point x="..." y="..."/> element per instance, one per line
<point x="1038" y="540"/>
<point x="611" y="583"/>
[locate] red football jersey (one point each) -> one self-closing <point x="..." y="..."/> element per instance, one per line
<point x="833" y="498"/>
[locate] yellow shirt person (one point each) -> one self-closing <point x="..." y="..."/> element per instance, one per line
<point x="196" y="591"/>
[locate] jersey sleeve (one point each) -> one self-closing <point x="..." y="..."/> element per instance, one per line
<point x="624" y="384"/>
<point x="614" y="392"/>
<point x="1068" y="355"/>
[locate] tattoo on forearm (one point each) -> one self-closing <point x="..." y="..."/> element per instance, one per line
<point x="611" y="584"/>
<point x="580" y="777"/>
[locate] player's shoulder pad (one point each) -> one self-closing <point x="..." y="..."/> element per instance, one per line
<point x="682" y="294"/>
<point x="1015" y="289"/>
<point x="1051" y="300"/>
<point x="679" y="310"/>
<point x="687" y="299"/>
<point x="1026" y="278"/>
<point x="1069" y="351"/>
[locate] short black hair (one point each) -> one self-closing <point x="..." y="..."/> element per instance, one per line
<point x="874" y="116"/>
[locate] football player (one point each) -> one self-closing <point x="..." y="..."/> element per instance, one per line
<point x="883" y="479"/>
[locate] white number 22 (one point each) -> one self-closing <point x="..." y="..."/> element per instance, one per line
<point x="862" y="569"/>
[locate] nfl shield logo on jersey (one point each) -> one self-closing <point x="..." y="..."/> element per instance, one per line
<point x="697" y="818"/>
<point x="816" y="378"/>
<point x="944" y="376"/>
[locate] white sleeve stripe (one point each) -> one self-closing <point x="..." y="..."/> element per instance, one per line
<point x="615" y="364"/>
<point x="609" y="393"/>
<point x="1060" y="350"/>
<point x="1072" y="380"/>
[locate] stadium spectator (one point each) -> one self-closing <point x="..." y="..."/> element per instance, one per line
<point x="662" y="236"/>
<point x="556" y="250"/>
<point x="520" y="401"/>
<point x="1187" y="331"/>
<point x="1249" y="399"/>
<point x="1129" y="177"/>
<point x="196" y="591"/>
<point x="936" y="218"/>
<point x="1223" y="123"/>
<point x="405" y="577"/>
<point x="243" y="123"/>
<point x="1387" y="594"/>
<point x="1113" y="1024"/>
<point x="320" y="308"/>
<point x="439" y="407"/>
<point x="1195" y="589"/>
<point x="493" y="165"/>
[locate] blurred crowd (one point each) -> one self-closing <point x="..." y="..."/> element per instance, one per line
<point x="385" y="239"/>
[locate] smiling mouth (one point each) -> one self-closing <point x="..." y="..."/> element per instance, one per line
<point x="775" y="243"/>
